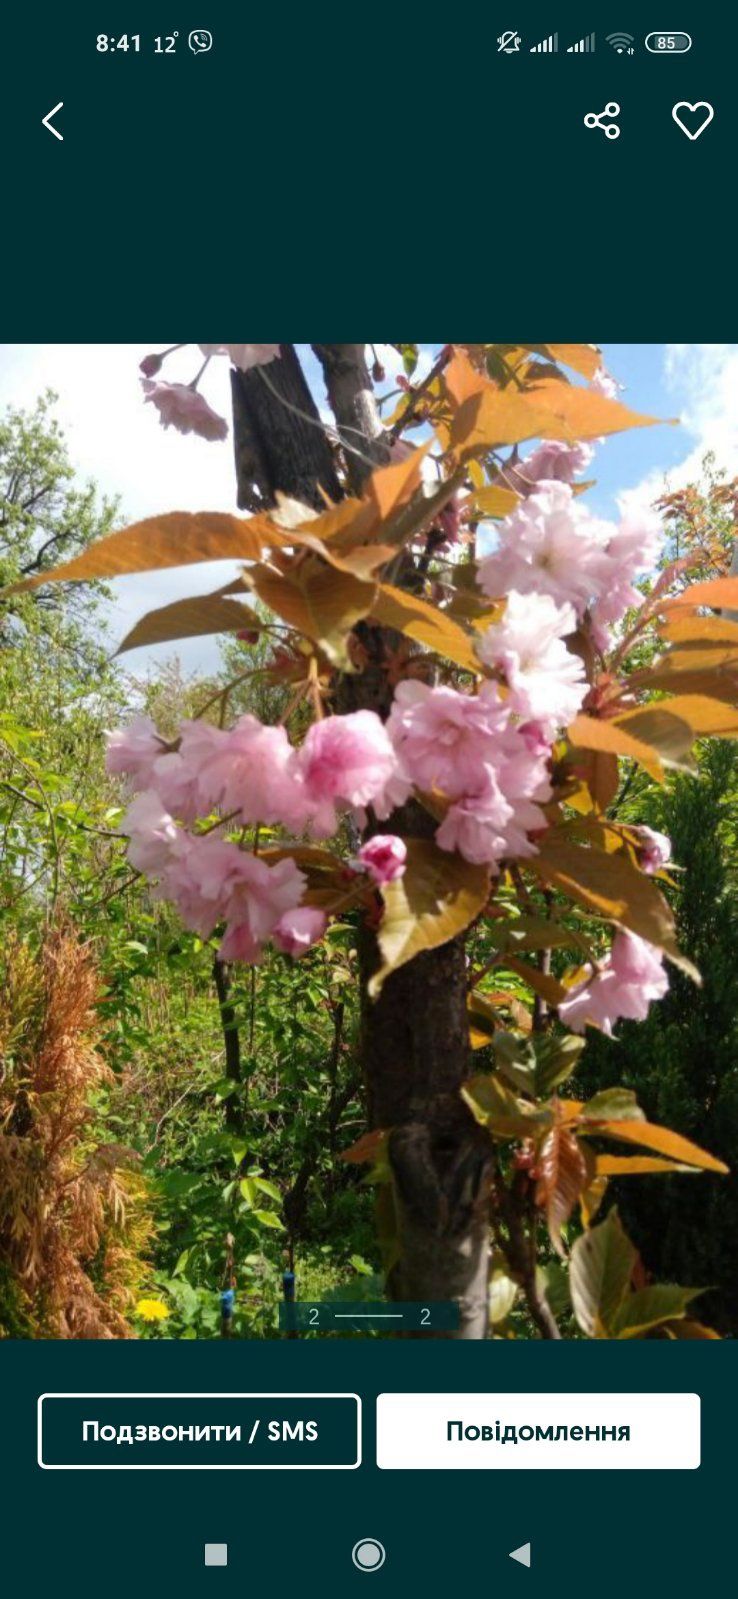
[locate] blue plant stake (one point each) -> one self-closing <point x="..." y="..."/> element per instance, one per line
<point x="228" y="1292"/>
<point x="288" y="1291"/>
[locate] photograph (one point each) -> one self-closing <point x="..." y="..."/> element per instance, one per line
<point x="368" y="842"/>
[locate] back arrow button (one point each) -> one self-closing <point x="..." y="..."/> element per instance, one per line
<point x="47" y="121"/>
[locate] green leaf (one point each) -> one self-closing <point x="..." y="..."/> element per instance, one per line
<point x="503" y="1292"/>
<point x="649" y="1307"/>
<point x="602" y="1263"/>
<point x="515" y="1060"/>
<point x="553" y="1280"/>
<point x="556" y="1059"/>
<point x="267" y="1218"/>
<point x="361" y="1265"/>
<point x="437" y="897"/>
<point x="616" y="1104"/>
<point x="265" y="1187"/>
<point x="498" y="1109"/>
<point x="522" y="934"/>
<point x="224" y="1087"/>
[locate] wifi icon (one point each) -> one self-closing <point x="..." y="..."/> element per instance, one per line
<point x="621" y="42"/>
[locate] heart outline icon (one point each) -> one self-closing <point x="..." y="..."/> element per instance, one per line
<point x="697" y="105"/>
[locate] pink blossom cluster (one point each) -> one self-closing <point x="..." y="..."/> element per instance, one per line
<point x="253" y="774"/>
<point x="552" y="544"/>
<point x="181" y="405"/>
<point x="471" y="750"/>
<point x="624" y="986"/>
<point x="553" y="460"/>
<point x="546" y="682"/>
<point x="210" y="879"/>
<point x="250" y="774"/>
<point x="475" y="751"/>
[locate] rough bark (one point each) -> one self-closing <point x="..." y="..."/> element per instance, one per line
<point x="351" y="394"/>
<point x="415" y="1051"/>
<point x="415" y="1058"/>
<point x="279" y="442"/>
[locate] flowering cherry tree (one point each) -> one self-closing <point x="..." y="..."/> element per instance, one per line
<point x="456" y="792"/>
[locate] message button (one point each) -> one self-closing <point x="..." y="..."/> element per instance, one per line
<point x="542" y="1432"/>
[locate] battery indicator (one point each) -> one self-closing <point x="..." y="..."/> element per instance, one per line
<point x="668" y="44"/>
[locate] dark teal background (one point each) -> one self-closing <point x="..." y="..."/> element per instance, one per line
<point x="603" y="1532"/>
<point x="384" y="168"/>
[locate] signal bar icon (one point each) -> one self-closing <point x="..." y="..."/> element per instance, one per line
<point x="583" y="46"/>
<point x="546" y="46"/>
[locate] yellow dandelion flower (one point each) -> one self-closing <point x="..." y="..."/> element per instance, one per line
<point x="151" y="1310"/>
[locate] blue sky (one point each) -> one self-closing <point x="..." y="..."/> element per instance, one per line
<point x="116" y="439"/>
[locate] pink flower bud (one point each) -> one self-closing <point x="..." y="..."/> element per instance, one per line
<point x="654" y="850"/>
<point x="384" y="857"/>
<point x="150" y="365"/>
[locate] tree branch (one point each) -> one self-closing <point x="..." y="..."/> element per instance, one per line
<point x="351" y="394"/>
<point x="511" y="1206"/>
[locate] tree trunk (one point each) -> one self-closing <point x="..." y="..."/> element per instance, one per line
<point x="415" y="1050"/>
<point x="278" y="438"/>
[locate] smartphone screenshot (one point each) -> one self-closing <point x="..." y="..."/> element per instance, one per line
<point x="368" y="802"/>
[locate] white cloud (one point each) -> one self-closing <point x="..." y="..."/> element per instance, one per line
<point x="703" y="378"/>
